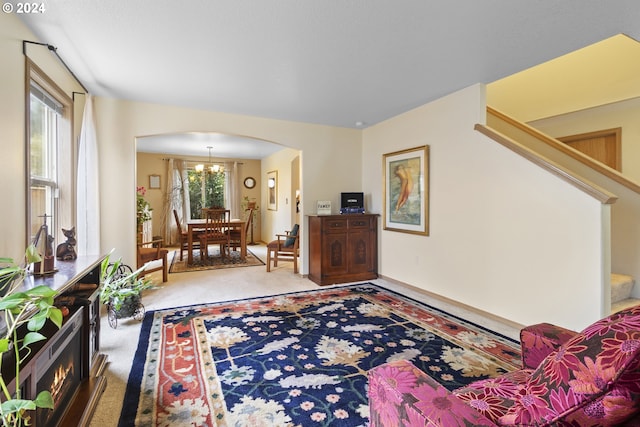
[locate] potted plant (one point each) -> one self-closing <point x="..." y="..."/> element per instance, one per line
<point x="120" y="291"/>
<point x="30" y="307"/>
<point x="143" y="210"/>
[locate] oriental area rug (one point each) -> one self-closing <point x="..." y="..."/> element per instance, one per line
<point x="296" y="359"/>
<point x="215" y="261"/>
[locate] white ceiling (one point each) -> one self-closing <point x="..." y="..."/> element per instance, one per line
<point x="327" y="62"/>
<point x="195" y="144"/>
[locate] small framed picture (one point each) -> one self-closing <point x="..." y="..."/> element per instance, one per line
<point x="272" y="190"/>
<point x="406" y="190"/>
<point x="154" y="181"/>
<point x="323" y="207"/>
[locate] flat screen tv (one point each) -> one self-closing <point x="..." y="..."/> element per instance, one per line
<point x="352" y="200"/>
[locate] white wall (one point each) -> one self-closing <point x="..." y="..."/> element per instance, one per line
<point x="625" y="233"/>
<point x="335" y="154"/>
<point x="277" y="222"/>
<point x="505" y="236"/>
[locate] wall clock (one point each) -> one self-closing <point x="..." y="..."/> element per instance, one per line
<point x="249" y="182"/>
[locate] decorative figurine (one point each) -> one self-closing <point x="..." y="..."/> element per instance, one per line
<point x="67" y="251"/>
<point x="46" y="266"/>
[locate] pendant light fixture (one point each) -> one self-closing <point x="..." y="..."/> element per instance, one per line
<point x="212" y="168"/>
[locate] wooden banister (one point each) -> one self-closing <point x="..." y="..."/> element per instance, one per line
<point x="564" y="148"/>
<point x="586" y="186"/>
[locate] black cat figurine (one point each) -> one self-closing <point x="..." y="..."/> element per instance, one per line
<point x="67" y="251"/>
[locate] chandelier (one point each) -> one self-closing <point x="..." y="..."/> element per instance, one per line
<point x="212" y="167"/>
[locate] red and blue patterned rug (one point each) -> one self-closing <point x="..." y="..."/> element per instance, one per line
<point x="297" y="359"/>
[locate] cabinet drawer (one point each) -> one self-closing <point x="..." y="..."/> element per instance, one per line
<point x="337" y="225"/>
<point x="359" y="223"/>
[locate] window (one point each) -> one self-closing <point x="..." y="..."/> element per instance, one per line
<point x="50" y="172"/>
<point x="206" y="189"/>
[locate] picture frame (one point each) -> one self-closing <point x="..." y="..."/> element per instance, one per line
<point x="323" y="207"/>
<point x="272" y="190"/>
<point x="154" y="181"/>
<point x="405" y="186"/>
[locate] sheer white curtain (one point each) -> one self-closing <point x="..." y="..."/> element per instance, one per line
<point x="232" y="188"/>
<point x="88" y="186"/>
<point x="177" y="198"/>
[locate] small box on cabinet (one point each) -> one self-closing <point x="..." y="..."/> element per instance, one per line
<point x="323" y="207"/>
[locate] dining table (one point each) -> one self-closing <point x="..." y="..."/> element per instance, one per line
<point x="198" y="224"/>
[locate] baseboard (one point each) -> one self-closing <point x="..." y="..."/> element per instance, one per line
<point x="490" y="316"/>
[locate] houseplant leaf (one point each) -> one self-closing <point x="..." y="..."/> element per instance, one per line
<point x="37" y="321"/>
<point x="17" y="405"/>
<point x="4" y="345"/>
<point x="55" y="315"/>
<point x="10" y="302"/>
<point x="44" y="400"/>
<point x="31" y="338"/>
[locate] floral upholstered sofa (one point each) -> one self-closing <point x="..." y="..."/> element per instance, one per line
<point x="591" y="378"/>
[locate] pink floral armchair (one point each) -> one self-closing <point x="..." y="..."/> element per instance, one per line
<point x="591" y="378"/>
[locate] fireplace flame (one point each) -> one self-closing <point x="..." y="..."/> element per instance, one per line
<point x="58" y="384"/>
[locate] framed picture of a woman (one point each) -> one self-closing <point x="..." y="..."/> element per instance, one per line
<point x="406" y="190"/>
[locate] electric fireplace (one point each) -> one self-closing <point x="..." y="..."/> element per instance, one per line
<point x="68" y="363"/>
<point x="58" y="369"/>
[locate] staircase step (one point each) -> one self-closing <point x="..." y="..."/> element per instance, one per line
<point x="621" y="286"/>
<point x="626" y="303"/>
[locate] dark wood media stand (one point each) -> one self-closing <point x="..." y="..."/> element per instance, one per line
<point x="83" y="320"/>
<point x="343" y="248"/>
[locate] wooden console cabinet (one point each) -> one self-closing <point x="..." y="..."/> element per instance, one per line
<point x="343" y="248"/>
<point x="75" y="283"/>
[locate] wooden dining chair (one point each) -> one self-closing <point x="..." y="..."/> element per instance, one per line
<point x="216" y="231"/>
<point x="184" y="237"/>
<point x="152" y="251"/>
<point x="236" y="235"/>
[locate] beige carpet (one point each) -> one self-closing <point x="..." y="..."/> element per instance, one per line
<point x="209" y="286"/>
<point x="215" y="261"/>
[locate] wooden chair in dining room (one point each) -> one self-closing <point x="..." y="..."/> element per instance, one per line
<point x="216" y="231"/>
<point x="284" y="247"/>
<point x="183" y="236"/>
<point x="236" y="235"/>
<point x="148" y="252"/>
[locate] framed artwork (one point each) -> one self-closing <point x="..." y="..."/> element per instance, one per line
<point x="154" y="181"/>
<point x="272" y="190"/>
<point x="406" y="190"/>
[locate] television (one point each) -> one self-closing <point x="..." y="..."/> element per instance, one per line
<point x="352" y="200"/>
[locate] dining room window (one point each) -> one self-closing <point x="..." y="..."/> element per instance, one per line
<point x="206" y="190"/>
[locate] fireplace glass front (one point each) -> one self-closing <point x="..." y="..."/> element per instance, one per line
<point x="59" y="370"/>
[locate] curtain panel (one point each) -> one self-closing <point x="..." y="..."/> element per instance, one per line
<point x="88" y="186"/>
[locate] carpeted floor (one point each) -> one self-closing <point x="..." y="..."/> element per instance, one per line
<point x="214" y="262"/>
<point x="297" y="358"/>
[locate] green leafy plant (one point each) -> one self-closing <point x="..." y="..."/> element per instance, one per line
<point x="117" y="285"/>
<point x="30" y="307"/>
<point x="143" y="208"/>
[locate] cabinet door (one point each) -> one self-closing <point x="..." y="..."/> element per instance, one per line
<point x="361" y="245"/>
<point x="360" y="252"/>
<point x="335" y="255"/>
